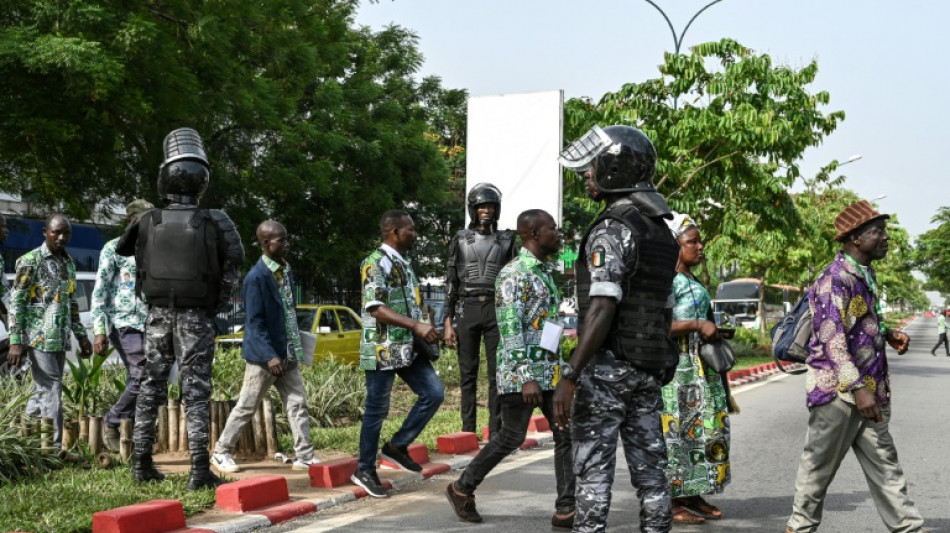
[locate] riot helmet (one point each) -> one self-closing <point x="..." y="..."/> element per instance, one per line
<point x="483" y="193"/>
<point x="183" y="175"/>
<point x="622" y="160"/>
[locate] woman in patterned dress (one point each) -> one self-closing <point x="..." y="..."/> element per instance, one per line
<point x="695" y="407"/>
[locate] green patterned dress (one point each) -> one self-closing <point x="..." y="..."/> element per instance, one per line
<point x="695" y="416"/>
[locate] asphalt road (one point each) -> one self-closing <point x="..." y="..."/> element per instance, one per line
<point x="767" y="441"/>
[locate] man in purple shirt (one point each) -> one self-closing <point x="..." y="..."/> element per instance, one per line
<point x="848" y="384"/>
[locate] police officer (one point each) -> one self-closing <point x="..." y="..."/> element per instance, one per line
<point x="187" y="263"/>
<point x="476" y="255"/>
<point x="624" y="289"/>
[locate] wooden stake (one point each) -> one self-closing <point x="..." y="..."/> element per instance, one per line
<point x="212" y="423"/>
<point x="183" y="428"/>
<point x="84" y="429"/>
<point x="95" y="434"/>
<point x="125" y="439"/>
<point x="161" y="444"/>
<point x="270" y="429"/>
<point x="257" y="423"/>
<point x="173" y="412"/>
<point x="46" y="433"/>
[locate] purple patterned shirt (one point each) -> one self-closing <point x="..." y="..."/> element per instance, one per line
<point x="847" y="349"/>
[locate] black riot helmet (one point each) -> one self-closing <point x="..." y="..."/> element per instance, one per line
<point x="183" y="175"/>
<point x="483" y="193"/>
<point x="622" y="160"/>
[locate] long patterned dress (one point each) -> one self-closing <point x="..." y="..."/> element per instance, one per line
<point x="695" y="411"/>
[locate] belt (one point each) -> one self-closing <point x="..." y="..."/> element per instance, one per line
<point x="479" y="297"/>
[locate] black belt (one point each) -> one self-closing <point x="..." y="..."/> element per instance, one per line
<point x="480" y="297"/>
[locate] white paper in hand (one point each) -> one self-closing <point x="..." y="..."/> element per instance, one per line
<point x="308" y="342"/>
<point x="551" y="336"/>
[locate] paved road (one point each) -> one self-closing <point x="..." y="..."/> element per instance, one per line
<point x="767" y="440"/>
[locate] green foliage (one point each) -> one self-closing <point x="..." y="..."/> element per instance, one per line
<point x="227" y="373"/>
<point x="336" y="392"/>
<point x="82" y="389"/>
<point x="567" y="347"/>
<point x="21" y="456"/>
<point x="932" y="255"/>
<point x="65" y="500"/>
<point x="730" y="147"/>
<point x="306" y="116"/>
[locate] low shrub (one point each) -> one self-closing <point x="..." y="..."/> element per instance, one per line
<point x="21" y="456"/>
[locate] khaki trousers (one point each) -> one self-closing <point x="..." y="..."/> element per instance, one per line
<point x="833" y="428"/>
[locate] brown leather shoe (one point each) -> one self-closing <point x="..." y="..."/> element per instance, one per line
<point x="463" y="504"/>
<point x="563" y="520"/>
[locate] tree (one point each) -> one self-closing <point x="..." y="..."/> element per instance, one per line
<point x="728" y="152"/>
<point x="306" y="117"/>
<point x="932" y="256"/>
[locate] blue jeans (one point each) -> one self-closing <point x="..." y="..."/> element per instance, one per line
<point x="421" y="378"/>
<point x="130" y="344"/>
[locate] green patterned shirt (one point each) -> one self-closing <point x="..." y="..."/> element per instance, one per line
<point x="283" y="277"/>
<point x="525" y="296"/>
<point x="387" y="279"/>
<point x="43" y="306"/>
<point x="3" y="278"/>
<point x="113" y="300"/>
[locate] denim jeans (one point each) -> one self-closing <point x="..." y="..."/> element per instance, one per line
<point x="421" y="378"/>
<point x="130" y="344"/>
<point x="515" y="417"/>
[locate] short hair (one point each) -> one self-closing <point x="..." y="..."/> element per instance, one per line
<point x="54" y="216"/>
<point x="529" y="220"/>
<point x="390" y="220"/>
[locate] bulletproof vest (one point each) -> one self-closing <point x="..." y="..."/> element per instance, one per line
<point x="177" y="260"/>
<point x="640" y="332"/>
<point x="481" y="258"/>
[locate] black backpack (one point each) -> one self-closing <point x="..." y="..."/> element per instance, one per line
<point x="790" y="337"/>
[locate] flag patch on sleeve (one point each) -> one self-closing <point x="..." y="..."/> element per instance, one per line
<point x="598" y="256"/>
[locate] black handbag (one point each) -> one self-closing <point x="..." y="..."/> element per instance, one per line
<point x="419" y="344"/>
<point x="717" y="355"/>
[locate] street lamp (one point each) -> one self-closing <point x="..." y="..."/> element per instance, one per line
<point x="851" y="159"/>
<point x="678" y="39"/>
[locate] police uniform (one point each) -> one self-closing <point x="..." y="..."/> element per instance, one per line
<point x="618" y="393"/>
<point x="474" y="263"/>
<point x="187" y="262"/>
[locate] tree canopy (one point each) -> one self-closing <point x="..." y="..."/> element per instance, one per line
<point x="306" y="117"/>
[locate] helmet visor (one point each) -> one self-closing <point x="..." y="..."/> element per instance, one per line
<point x="579" y="154"/>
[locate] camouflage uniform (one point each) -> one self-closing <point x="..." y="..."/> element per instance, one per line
<point x="615" y="398"/>
<point x="186" y="335"/>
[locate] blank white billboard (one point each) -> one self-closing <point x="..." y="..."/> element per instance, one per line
<point x="513" y="143"/>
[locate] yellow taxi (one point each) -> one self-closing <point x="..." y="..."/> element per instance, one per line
<point x="336" y="327"/>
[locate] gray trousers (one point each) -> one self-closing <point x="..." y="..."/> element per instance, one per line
<point x="47" y="399"/>
<point x="257" y="380"/>
<point x="833" y="429"/>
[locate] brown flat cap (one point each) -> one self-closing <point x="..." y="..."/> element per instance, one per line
<point x="854" y="216"/>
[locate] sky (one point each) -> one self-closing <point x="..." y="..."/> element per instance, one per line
<point x="883" y="64"/>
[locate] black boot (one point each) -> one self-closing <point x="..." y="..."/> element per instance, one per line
<point x="201" y="475"/>
<point x="143" y="470"/>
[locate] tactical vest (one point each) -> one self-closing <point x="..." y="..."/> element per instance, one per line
<point x="177" y="258"/>
<point x="480" y="259"/>
<point x="640" y="333"/>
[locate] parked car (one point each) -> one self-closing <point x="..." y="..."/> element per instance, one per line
<point x="570" y="326"/>
<point x="336" y="327"/>
<point x="85" y="282"/>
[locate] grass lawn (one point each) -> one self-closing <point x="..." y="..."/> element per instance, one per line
<point x="65" y="500"/>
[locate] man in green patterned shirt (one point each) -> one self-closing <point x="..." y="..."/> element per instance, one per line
<point x="391" y="317"/>
<point x="526" y="304"/>
<point x="272" y="350"/>
<point x="43" y="312"/>
<point x="118" y="315"/>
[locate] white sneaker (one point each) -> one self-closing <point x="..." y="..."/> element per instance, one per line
<point x="304" y="464"/>
<point x="224" y="463"/>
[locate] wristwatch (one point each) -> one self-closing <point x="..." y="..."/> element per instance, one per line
<point x="568" y="372"/>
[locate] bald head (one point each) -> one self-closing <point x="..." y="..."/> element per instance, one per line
<point x="539" y="233"/>
<point x="272" y="236"/>
<point x="528" y="222"/>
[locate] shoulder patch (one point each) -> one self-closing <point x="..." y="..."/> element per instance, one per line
<point x="598" y="256"/>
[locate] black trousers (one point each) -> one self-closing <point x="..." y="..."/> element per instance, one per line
<point x="942" y="339"/>
<point x="516" y="415"/>
<point x="476" y="323"/>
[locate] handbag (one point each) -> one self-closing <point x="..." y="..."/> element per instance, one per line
<point x="419" y="344"/>
<point x="717" y="355"/>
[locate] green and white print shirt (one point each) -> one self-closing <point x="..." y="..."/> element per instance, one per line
<point x="387" y="279"/>
<point x="284" y="279"/>
<point x="114" y="303"/>
<point x="525" y="297"/>
<point x="43" y="306"/>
